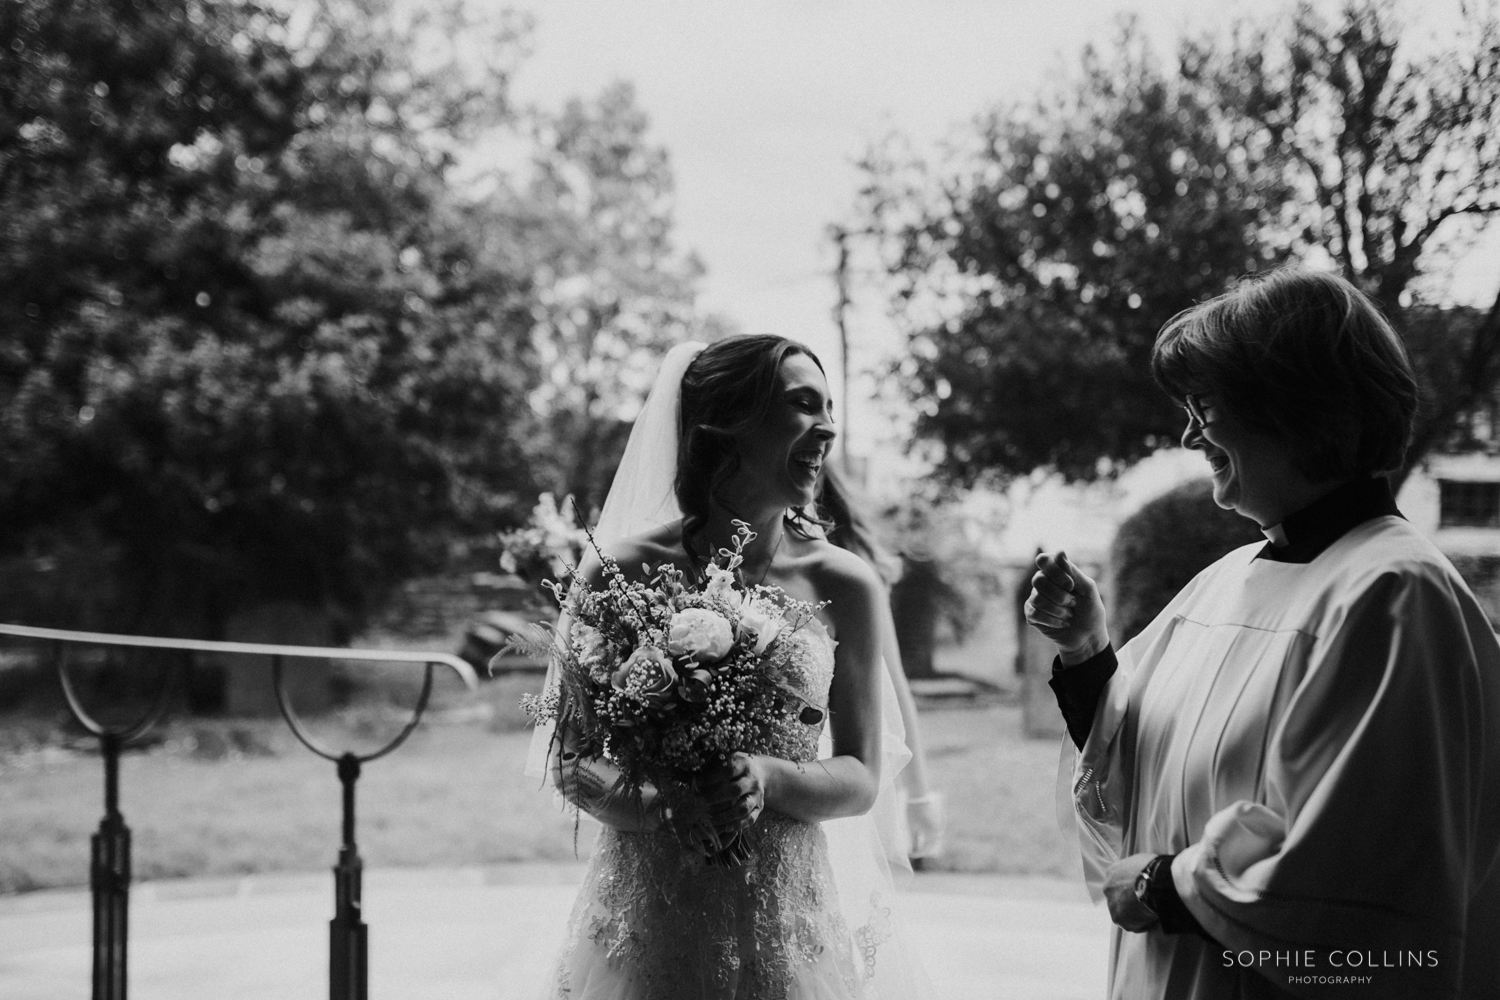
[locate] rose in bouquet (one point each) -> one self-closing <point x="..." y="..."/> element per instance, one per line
<point x="668" y="678"/>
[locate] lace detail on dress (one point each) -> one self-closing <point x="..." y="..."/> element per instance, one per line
<point x="872" y="935"/>
<point x="654" y="922"/>
<point x="810" y="670"/>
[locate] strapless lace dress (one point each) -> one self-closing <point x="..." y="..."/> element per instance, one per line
<point x="653" y="922"/>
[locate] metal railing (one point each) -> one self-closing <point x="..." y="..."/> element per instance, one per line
<point x="109" y="866"/>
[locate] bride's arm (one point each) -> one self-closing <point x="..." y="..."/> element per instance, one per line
<point x="845" y="784"/>
<point x="593" y="785"/>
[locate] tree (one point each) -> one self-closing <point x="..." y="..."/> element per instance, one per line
<point x="596" y="217"/>
<point x="1033" y="275"/>
<point x="1389" y="156"/>
<point x="252" y="343"/>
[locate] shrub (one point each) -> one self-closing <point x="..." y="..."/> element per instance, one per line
<point x="1162" y="546"/>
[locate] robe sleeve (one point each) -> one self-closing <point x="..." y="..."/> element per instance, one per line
<point x="1077" y="689"/>
<point x="1095" y="784"/>
<point x="1371" y="835"/>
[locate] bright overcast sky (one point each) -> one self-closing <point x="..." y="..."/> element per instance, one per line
<point x="764" y="105"/>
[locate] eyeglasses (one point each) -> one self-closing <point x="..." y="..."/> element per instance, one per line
<point x="1193" y="404"/>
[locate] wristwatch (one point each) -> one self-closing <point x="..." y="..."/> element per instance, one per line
<point x="1143" y="882"/>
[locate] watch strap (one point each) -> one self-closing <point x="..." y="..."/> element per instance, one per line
<point x="1162" y="898"/>
<point x="1143" y="884"/>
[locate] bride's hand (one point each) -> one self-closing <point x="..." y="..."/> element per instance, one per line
<point x="735" y="794"/>
<point x="689" y="822"/>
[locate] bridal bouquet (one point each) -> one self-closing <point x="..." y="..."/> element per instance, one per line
<point x="666" y="679"/>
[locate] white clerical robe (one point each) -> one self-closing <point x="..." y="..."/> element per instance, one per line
<point x="1319" y="744"/>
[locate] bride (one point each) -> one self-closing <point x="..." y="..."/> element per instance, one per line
<point x="739" y="430"/>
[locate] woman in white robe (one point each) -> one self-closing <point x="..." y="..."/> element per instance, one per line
<point x="1289" y="783"/>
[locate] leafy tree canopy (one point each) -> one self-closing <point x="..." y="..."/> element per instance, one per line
<point x="1033" y="271"/>
<point x="594" y="215"/>
<point x="255" y="341"/>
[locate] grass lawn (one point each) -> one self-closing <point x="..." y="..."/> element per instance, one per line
<point x="999" y="789"/>
<point x="222" y="797"/>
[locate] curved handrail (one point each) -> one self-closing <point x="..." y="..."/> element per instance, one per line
<point x="289" y="713"/>
<point x="458" y="666"/>
<point x="126" y="734"/>
<point x="109" y="869"/>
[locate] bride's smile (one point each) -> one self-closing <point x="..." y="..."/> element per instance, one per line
<point x="806" y="465"/>
<point x="782" y="457"/>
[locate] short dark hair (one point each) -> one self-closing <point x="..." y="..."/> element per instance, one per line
<point x="727" y="390"/>
<point x="1303" y="356"/>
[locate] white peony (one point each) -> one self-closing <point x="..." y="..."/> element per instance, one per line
<point x="760" y="622"/>
<point x="701" y="634"/>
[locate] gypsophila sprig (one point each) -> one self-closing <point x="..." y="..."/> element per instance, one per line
<point x="666" y="678"/>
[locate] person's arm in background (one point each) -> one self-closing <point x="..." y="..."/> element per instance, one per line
<point x="924" y="804"/>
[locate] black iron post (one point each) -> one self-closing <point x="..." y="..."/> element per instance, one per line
<point x="348" y="940"/>
<point x="109" y="878"/>
<point x="348" y="951"/>
<point x="109" y="855"/>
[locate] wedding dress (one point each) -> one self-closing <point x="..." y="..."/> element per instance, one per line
<point x="653" y="920"/>
<point x="811" y="914"/>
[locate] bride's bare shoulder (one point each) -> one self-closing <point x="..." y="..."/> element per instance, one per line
<point x="841" y="576"/>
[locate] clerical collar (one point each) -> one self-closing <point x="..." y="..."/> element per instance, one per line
<point x="1303" y="536"/>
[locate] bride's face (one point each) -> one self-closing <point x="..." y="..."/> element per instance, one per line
<point x="780" y="459"/>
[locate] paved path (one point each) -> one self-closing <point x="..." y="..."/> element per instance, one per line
<point x="491" y="933"/>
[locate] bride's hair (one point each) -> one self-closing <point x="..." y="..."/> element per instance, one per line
<point x="727" y="390"/>
<point x="848" y="526"/>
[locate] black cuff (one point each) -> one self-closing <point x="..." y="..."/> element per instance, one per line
<point x="1078" y="689"/>
<point x="1161" y="896"/>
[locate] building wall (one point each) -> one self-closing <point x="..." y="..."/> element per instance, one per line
<point x="1475" y="551"/>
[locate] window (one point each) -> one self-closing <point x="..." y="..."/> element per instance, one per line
<point x="1468" y="505"/>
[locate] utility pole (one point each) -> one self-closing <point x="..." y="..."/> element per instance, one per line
<point x="840" y="236"/>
